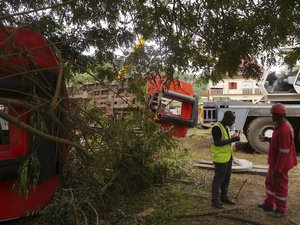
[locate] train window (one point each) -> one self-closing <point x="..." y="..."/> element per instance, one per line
<point x="4" y="127"/>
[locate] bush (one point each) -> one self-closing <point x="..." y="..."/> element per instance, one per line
<point x="126" y="157"/>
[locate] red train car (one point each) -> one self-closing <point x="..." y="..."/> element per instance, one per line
<point x="28" y="75"/>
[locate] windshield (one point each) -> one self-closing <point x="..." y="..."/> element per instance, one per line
<point x="281" y="82"/>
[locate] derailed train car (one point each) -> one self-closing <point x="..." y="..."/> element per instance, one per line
<point x="29" y="77"/>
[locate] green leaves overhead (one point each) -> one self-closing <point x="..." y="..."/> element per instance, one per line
<point x="212" y="37"/>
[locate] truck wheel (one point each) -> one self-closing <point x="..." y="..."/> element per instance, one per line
<point x="260" y="126"/>
<point x="297" y="139"/>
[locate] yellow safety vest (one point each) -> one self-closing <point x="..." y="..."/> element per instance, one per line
<point x="221" y="154"/>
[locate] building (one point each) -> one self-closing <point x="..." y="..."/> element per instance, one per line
<point x="111" y="97"/>
<point x="237" y="88"/>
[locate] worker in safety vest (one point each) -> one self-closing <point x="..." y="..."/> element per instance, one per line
<point x="222" y="155"/>
<point x="281" y="158"/>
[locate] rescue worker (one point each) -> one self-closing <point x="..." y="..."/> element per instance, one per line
<point x="222" y="158"/>
<point x="201" y="114"/>
<point x="281" y="158"/>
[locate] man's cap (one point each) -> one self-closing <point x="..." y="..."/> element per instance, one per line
<point x="279" y="109"/>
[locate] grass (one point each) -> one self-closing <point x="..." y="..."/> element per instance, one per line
<point x="187" y="190"/>
<point x="176" y="196"/>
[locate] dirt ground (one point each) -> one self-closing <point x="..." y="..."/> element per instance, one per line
<point x="252" y="192"/>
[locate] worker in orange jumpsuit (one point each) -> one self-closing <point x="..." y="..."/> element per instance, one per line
<point x="281" y="158"/>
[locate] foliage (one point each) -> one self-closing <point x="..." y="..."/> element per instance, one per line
<point x="210" y="37"/>
<point x="179" y="194"/>
<point x="137" y="87"/>
<point x="127" y="157"/>
<point x="131" y="149"/>
<point x="29" y="173"/>
<point x="199" y="83"/>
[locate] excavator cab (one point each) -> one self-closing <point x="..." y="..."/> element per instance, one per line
<point x="280" y="86"/>
<point x="173" y="102"/>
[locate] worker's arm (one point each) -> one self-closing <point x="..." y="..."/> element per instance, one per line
<point x="217" y="136"/>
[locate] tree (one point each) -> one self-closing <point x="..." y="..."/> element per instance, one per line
<point x="210" y="36"/>
<point x="117" y="156"/>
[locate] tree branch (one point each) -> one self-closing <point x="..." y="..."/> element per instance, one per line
<point x="242" y="219"/>
<point x="36" y="10"/>
<point x="38" y="133"/>
<point x="205" y="213"/>
<point x="59" y="79"/>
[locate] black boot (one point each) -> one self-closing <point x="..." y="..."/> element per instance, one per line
<point x="217" y="205"/>
<point x="265" y="207"/>
<point x="227" y="201"/>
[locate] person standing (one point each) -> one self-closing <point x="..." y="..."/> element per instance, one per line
<point x="222" y="156"/>
<point x="281" y="159"/>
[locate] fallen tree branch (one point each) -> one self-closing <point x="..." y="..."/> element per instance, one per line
<point x="242" y="219"/>
<point x="205" y="213"/>
<point x="95" y="211"/>
<point x="181" y="181"/>
<point x="40" y="134"/>
<point x="15" y="102"/>
<point x="59" y="78"/>
<point x="109" y="184"/>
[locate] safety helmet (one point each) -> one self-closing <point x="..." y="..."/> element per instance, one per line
<point x="279" y="109"/>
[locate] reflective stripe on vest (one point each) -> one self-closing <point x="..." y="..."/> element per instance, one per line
<point x="221" y="154"/>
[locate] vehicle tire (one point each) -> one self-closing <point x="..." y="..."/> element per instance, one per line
<point x="245" y="133"/>
<point x="260" y="126"/>
<point x="297" y="139"/>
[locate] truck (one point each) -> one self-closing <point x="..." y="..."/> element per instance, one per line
<point x="29" y="75"/>
<point x="254" y="119"/>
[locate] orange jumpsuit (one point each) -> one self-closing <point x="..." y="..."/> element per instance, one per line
<point x="282" y="158"/>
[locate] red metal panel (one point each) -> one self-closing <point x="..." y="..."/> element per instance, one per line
<point x="14" y="206"/>
<point x="24" y="46"/>
<point x="19" y="139"/>
<point x="174" y="130"/>
<point x="157" y="82"/>
<point x="21" y="48"/>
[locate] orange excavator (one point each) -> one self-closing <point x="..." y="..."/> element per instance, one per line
<point x="174" y="103"/>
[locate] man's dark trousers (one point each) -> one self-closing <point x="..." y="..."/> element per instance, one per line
<point x="221" y="181"/>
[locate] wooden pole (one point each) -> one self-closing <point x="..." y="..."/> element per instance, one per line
<point x="205" y="213"/>
<point x="237" y="195"/>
